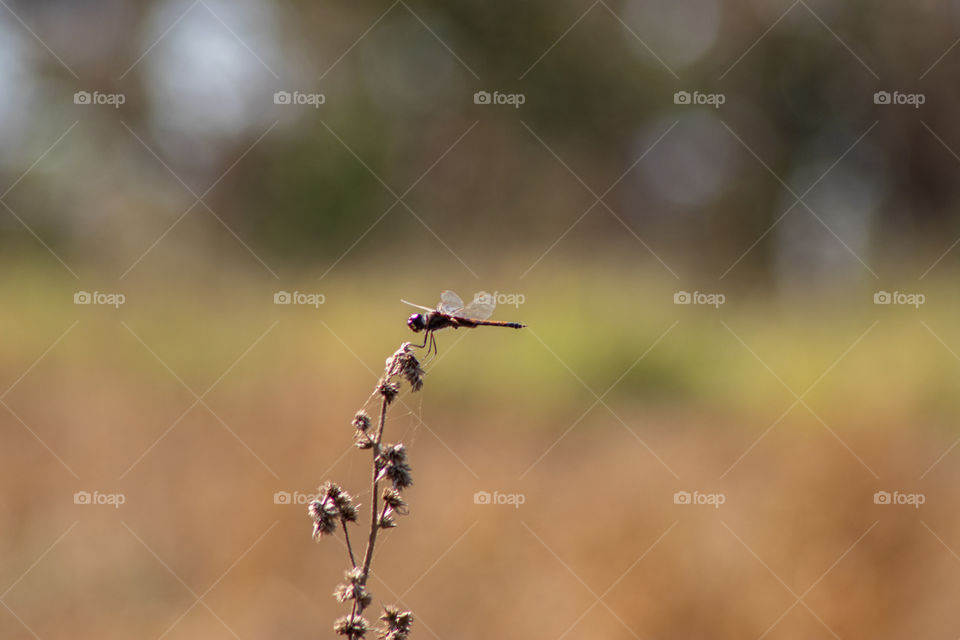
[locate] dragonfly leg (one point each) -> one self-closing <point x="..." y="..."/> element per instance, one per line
<point x="432" y="348"/>
<point x="430" y="342"/>
<point x="426" y="338"/>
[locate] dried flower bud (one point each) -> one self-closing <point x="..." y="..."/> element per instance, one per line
<point x="397" y="624"/>
<point x="323" y="528"/>
<point x="387" y="521"/>
<point x="320" y="509"/>
<point x="363" y="441"/>
<point x="409" y="367"/>
<point x="324" y="515"/>
<point x="353" y="591"/>
<point x="352" y="626"/>
<point x="388" y="390"/>
<point x="341" y="500"/>
<point x="361" y="421"/>
<point x="343" y="592"/>
<point x="395" y="362"/>
<point x="394" y="501"/>
<point x="392" y="464"/>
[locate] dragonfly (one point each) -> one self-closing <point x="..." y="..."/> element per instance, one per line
<point x="451" y="312"/>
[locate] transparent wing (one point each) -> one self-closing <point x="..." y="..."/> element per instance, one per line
<point x="450" y="303"/>
<point x="481" y="307"/>
<point x="418" y="306"/>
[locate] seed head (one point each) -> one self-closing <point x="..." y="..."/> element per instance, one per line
<point x="388" y="390"/>
<point x="392" y="464"/>
<point x="404" y="363"/>
<point x="341" y="500"/>
<point x="394" y="501"/>
<point x="352" y="626"/>
<point x="325" y="517"/>
<point x="397" y="624"/>
<point x="361" y="421"/>
<point x="353" y="591"/>
<point x="387" y="521"/>
<point x="409" y="367"/>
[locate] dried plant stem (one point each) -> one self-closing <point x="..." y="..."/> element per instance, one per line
<point x="375" y="515"/>
<point x="334" y="506"/>
<point x="346" y="536"/>
<point x="383" y="421"/>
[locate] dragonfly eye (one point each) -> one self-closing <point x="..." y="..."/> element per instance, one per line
<point x="416" y="322"/>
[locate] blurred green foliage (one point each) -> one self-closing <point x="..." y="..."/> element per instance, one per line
<point x="598" y="82"/>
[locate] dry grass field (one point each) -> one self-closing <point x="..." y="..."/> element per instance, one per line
<point x="198" y="410"/>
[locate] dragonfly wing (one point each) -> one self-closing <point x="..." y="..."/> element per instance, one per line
<point x="450" y="303"/>
<point x="418" y="306"/>
<point x="481" y="307"/>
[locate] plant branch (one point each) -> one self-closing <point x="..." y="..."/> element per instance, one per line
<point x="374" y="491"/>
<point x="333" y="504"/>
<point x="346" y="536"/>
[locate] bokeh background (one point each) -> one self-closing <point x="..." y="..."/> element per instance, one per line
<point x="194" y="159"/>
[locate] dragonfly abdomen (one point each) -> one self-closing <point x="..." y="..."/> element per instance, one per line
<point x="499" y="323"/>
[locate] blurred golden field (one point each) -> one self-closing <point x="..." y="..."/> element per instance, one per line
<point x="199" y="404"/>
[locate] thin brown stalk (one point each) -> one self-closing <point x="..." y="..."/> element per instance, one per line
<point x="375" y="494"/>
<point x="346" y="536"/>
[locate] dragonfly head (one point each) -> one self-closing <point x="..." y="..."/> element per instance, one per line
<point x="417" y="322"/>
